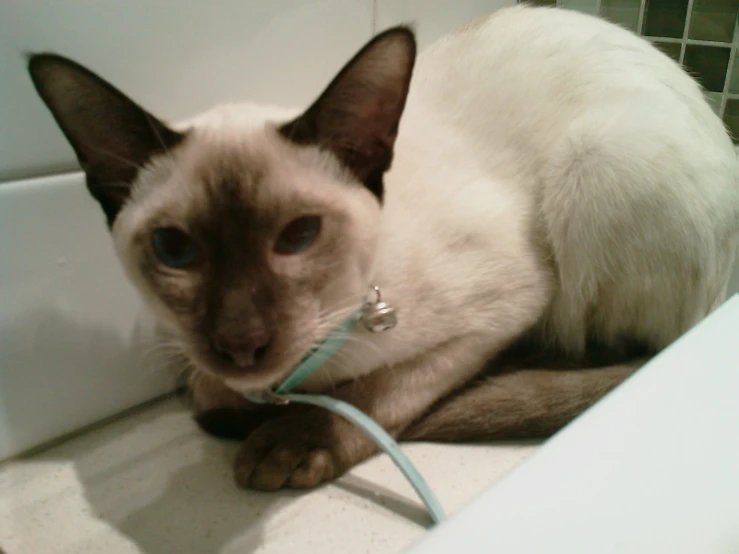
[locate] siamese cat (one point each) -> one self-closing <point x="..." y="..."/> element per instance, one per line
<point x="545" y="198"/>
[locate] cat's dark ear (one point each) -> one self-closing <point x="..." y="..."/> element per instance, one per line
<point x="357" y="116"/>
<point x="112" y="136"/>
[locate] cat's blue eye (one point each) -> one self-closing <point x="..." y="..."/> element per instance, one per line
<point x="174" y="248"/>
<point x="298" y="235"/>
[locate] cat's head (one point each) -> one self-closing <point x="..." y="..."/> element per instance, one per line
<point x="251" y="234"/>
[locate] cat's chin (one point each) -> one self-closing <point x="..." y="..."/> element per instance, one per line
<point x="250" y="381"/>
<point x="265" y="375"/>
<point x="255" y="385"/>
<point x="248" y="389"/>
<point x="247" y="382"/>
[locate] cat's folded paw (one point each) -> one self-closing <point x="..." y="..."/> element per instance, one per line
<point x="299" y="452"/>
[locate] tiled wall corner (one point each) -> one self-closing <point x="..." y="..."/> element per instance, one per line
<point x="702" y="35"/>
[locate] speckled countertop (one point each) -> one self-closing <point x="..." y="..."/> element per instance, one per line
<point x="153" y="483"/>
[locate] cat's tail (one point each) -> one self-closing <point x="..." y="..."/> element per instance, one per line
<point x="526" y="403"/>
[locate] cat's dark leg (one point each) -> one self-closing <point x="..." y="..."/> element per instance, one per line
<point x="223" y="413"/>
<point x="237" y="423"/>
<point x="526" y="403"/>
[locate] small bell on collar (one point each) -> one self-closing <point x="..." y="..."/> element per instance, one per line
<point x="378" y="316"/>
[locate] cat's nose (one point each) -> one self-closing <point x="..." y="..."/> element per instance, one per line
<point x="243" y="349"/>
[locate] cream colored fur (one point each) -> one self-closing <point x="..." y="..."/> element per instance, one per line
<point x="576" y="178"/>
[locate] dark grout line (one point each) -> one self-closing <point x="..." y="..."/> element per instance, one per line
<point x="7" y="178"/>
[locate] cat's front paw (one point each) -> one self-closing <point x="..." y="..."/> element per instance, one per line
<point x="299" y="451"/>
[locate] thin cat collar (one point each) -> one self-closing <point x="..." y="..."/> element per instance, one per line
<point x="376" y="316"/>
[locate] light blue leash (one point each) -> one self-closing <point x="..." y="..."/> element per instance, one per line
<point x="318" y="356"/>
<point x="309" y="365"/>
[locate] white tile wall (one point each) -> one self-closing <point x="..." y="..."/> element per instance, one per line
<point x="175" y="58"/>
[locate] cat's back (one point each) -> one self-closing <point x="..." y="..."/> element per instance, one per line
<point x="522" y="93"/>
<point x="538" y="54"/>
<point x="563" y="123"/>
<point x="522" y="74"/>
